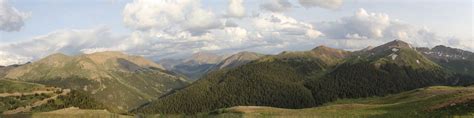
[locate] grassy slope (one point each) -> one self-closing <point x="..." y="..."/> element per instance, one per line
<point x="12" y="102"/>
<point x="425" y="102"/>
<point x="116" y="79"/>
<point x="9" y="86"/>
<point x="71" y="112"/>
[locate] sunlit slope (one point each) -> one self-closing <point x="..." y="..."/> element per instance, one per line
<point x="118" y="80"/>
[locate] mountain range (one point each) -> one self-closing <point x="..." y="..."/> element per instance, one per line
<point x="309" y="79"/>
<point x="202" y="63"/>
<point x="454" y="59"/>
<point x="210" y="84"/>
<point x="119" y="81"/>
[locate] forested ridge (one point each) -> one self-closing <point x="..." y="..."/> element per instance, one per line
<point x="308" y="79"/>
<point x="73" y="99"/>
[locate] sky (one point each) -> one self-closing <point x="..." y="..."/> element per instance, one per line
<point x="159" y="29"/>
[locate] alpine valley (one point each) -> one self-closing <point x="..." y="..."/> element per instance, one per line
<point x="390" y="80"/>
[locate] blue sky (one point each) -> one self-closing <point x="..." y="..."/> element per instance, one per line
<point x="72" y="26"/>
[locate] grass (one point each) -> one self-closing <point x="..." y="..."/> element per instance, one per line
<point x="9" y="86"/>
<point x="13" y="102"/>
<point x="423" y="102"/>
<point x="69" y="113"/>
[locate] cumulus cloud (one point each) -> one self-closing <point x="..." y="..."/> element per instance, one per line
<point x="177" y="28"/>
<point x="328" y="4"/>
<point x="360" y="25"/>
<point x="236" y="9"/>
<point x="172" y="16"/>
<point x="196" y="29"/>
<point x="11" y="19"/>
<point x="170" y="29"/>
<point x="276" y="5"/>
<point x="9" y="58"/>
<point x="277" y="23"/>
<point x="379" y="28"/>
<point x="69" y="41"/>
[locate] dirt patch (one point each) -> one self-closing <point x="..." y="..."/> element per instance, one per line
<point x="461" y="100"/>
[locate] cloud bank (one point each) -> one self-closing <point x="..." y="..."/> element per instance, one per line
<point x="363" y="25"/>
<point x="286" y="5"/>
<point x="328" y="4"/>
<point x="11" y="19"/>
<point x="236" y="9"/>
<point x="276" y="5"/>
<point x="172" y="29"/>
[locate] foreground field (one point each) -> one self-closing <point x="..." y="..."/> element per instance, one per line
<point x="71" y="112"/>
<point x="438" y="101"/>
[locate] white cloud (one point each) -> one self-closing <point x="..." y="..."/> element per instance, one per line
<point x="379" y="27"/>
<point x="236" y="9"/>
<point x="196" y="29"/>
<point x="279" y="24"/>
<point x="328" y="4"/>
<point x="172" y="16"/>
<point x="11" y="19"/>
<point x="9" y="58"/>
<point x="69" y="41"/>
<point x="276" y="5"/>
<point x="361" y="24"/>
<point x="177" y="28"/>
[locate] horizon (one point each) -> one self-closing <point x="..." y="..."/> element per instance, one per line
<point x="220" y="55"/>
<point x="164" y="29"/>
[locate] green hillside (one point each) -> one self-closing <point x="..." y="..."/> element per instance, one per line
<point x="22" y="97"/>
<point x="9" y="86"/>
<point x="268" y="81"/>
<point x="455" y="60"/>
<point x="437" y="101"/>
<point x="117" y="80"/>
<point x="308" y="79"/>
<point x="72" y="99"/>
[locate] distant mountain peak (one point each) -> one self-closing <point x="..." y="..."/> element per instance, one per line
<point x="238" y="59"/>
<point x="392" y="45"/>
<point x="440" y="46"/>
<point x="446" y="53"/>
<point x="54" y="59"/>
<point x="107" y="53"/>
<point x="245" y="53"/>
<point x="203" y="54"/>
<point x="322" y="47"/>
<point x="398" y="44"/>
<point x="57" y="55"/>
<point x="204" y="58"/>
<point x="328" y="51"/>
<point x="368" y="48"/>
<point x="443" y="48"/>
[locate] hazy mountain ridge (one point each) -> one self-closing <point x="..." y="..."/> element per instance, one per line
<point x="199" y="64"/>
<point x="4" y="69"/>
<point x="457" y="60"/>
<point x="193" y="67"/>
<point x="291" y="79"/>
<point x="236" y="60"/>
